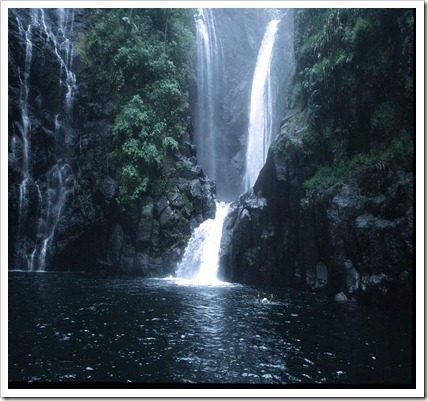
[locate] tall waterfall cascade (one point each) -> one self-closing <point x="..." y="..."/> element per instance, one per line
<point x="209" y="73"/>
<point x="200" y="260"/>
<point x="201" y="257"/>
<point x="260" y="122"/>
<point x="54" y="186"/>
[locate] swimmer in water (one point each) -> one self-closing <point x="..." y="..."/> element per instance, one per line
<point x="264" y="300"/>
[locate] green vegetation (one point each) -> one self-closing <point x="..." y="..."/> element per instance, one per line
<point x="188" y="205"/>
<point x="356" y="77"/>
<point x="327" y="175"/>
<point x="400" y="150"/>
<point x="144" y="58"/>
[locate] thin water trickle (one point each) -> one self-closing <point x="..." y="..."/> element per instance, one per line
<point x="55" y="28"/>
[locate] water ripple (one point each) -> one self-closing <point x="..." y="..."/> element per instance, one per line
<point x="75" y="328"/>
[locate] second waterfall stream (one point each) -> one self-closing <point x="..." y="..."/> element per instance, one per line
<point x="260" y="125"/>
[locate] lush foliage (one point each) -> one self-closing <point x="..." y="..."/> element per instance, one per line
<point x="144" y="57"/>
<point x="327" y="175"/>
<point x="357" y="80"/>
<point x="401" y="150"/>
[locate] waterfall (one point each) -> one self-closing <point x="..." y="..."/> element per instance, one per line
<point x="200" y="260"/>
<point x="209" y="74"/>
<point x="201" y="257"/>
<point x="260" y="124"/>
<point x="53" y="187"/>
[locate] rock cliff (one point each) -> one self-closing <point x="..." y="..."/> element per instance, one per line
<point x="332" y="210"/>
<point x="352" y="240"/>
<point x="63" y="213"/>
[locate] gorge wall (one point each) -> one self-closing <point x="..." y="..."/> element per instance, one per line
<point x="352" y="240"/>
<point x="332" y="210"/>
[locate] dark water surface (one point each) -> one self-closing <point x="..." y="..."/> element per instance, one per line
<point x="69" y="327"/>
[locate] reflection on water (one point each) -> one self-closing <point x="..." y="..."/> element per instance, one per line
<point x="67" y="327"/>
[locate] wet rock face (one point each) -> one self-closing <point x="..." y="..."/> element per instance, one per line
<point x="351" y="277"/>
<point x="147" y="239"/>
<point x="41" y="128"/>
<point x="317" y="278"/>
<point x="353" y="239"/>
<point x="261" y="238"/>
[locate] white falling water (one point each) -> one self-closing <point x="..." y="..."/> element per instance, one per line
<point x="63" y="48"/>
<point x="209" y="76"/>
<point x="60" y="179"/>
<point x="60" y="185"/>
<point x="260" y="124"/>
<point x="201" y="257"/>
